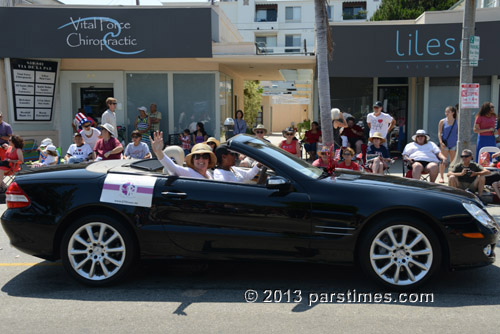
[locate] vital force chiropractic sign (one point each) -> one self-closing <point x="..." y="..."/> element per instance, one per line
<point x="106" y="33"/>
<point x="33" y="87"/>
<point x="418" y="50"/>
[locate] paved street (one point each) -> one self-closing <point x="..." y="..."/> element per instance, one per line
<point x="167" y="297"/>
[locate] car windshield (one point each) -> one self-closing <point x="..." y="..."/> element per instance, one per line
<point x="277" y="153"/>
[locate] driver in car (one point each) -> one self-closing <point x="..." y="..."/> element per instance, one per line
<point x="226" y="171"/>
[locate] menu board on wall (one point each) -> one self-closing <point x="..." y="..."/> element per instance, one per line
<point x="33" y="88"/>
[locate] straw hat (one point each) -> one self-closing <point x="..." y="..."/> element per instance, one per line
<point x="379" y="136"/>
<point x="110" y="128"/>
<point x="420" y="132"/>
<point x="201" y="149"/>
<point x="260" y="127"/>
<point x="213" y="140"/>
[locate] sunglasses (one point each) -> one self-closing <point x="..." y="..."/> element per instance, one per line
<point x="113" y="103"/>
<point x="289" y="134"/>
<point x="348" y="154"/>
<point x="260" y="132"/>
<point x="205" y="156"/>
<point x="465" y="156"/>
<point x="420" y="136"/>
<point x="136" y="137"/>
<point x="86" y="126"/>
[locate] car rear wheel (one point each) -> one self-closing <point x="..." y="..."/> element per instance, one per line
<point x="98" y="250"/>
<point x="400" y="252"/>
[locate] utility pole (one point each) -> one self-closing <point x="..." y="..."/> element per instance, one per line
<point x="464" y="116"/>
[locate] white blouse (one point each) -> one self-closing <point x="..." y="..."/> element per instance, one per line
<point x="235" y="174"/>
<point x="175" y="169"/>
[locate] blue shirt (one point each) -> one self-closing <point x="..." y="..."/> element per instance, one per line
<point x="382" y="150"/>
<point x="240" y="126"/>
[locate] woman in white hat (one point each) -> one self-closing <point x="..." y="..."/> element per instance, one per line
<point x="423" y="156"/>
<point x="198" y="161"/>
<point x="260" y="131"/>
<point x="377" y="154"/>
<point x="108" y="147"/>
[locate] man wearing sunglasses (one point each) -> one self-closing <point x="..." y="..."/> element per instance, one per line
<point x="468" y="175"/>
<point x="109" y="116"/>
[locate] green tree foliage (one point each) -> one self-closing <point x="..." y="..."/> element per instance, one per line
<point x="253" y="100"/>
<point x="408" y="9"/>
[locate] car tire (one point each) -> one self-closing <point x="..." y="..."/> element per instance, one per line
<point x="98" y="250"/>
<point x="401" y="253"/>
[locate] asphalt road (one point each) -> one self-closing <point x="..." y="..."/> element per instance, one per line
<point x="38" y="296"/>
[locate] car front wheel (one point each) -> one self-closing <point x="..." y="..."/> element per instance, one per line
<point x="98" y="250"/>
<point x="401" y="253"/>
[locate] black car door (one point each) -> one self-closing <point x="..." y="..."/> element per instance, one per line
<point x="233" y="220"/>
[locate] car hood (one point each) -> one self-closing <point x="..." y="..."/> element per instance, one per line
<point x="402" y="183"/>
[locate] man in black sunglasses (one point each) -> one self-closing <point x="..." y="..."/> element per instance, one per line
<point x="468" y="175"/>
<point x="226" y="171"/>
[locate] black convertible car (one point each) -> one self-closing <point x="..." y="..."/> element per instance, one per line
<point x="102" y="217"/>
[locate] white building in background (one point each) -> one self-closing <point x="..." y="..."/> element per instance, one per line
<point x="287" y="26"/>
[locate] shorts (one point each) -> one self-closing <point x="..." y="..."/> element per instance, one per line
<point x="454" y="148"/>
<point x="466" y="185"/>
<point x="424" y="163"/>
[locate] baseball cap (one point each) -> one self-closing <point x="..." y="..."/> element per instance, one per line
<point x="143" y="108"/>
<point x="378" y="104"/>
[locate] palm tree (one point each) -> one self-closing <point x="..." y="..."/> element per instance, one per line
<point x="324" y="47"/>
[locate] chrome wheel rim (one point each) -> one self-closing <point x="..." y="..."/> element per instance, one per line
<point x="96" y="251"/>
<point x="401" y="255"/>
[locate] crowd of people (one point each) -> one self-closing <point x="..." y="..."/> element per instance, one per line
<point x="352" y="149"/>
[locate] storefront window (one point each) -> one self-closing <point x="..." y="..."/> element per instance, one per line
<point x="144" y="89"/>
<point x="352" y="95"/>
<point x="225" y="97"/>
<point x="194" y="101"/>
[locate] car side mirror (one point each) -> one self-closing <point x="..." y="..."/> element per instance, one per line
<point x="278" y="182"/>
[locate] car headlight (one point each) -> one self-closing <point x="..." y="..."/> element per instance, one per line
<point x="480" y="215"/>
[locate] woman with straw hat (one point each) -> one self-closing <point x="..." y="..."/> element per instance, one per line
<point x="379" y="154"/>
<point x="198" y="161"/>
<point x="213" y="143"/>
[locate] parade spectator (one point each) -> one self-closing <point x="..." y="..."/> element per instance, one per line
<point x="42" y="149"/>
<point x="143" y="125"/>
<point x="5" y="133"/>
<point x="137" y="149"/>
<point x="186" y="141"/>
<point x="423" y="156"/>
<point x="226" y="171"/>
<point x="154" y="117"/>
<point x="90" y="134"/>
<point x="323" y="160"/>
<point x="448" y="136"/>
<point x="109" y="116"/>
<point x="311" y="140"/>
<point x="240" y="126"/>
<point x="260" y="131"/>
<point x="379" y="121"/>
<point x="354" y="134"/>
<point x="13" y="156"/>
<point x="290" y="145"/>
<point x="79" y="151"/>
<point x="484" y="126"/>
<point x="52" y="157"/>
<point x="199" y="135"/>
<point x="79" y="117"/>
<point x="213" y="143"/>
<point x="377" y="154"/>
<point x="198" y="161"/>
<point x="468" y="175"/>
<point x="338" y="123"/>
<point x="347" y="163"/>
<point x="108" y="147"/>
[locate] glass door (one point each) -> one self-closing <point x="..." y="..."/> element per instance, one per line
<point x="395" y="100"/>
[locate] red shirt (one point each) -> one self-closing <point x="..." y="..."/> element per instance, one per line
<point x="486" y="123"/>
<point x="292" y="148"/>
<point x="312" y="137"/>
<point x="350" y="134"/>
<point x="352" y="166"/>
<point x="101" y="147"/>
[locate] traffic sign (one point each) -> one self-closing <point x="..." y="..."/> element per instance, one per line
<point x="474" y="51"/>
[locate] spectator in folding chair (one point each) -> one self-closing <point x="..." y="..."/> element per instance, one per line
<point x="13" y="158"/>
<point x="423" y="156"/>
<point x="5" y="133"/>
<point x="469" y="175"/>
<point x="377" y="155"/>
<point x="51" y="158"/>
<point x="347" y="163"/>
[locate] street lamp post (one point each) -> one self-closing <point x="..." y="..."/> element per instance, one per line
<point x="464" y="116"/>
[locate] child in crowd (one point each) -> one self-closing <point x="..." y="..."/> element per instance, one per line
<point x="137" y="149"/>
<point x="51" y="157"/>
<point x="186" y="141"/>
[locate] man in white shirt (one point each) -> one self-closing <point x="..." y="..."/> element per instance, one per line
<point x="423" y="156"/>
<point x="79" y="151"/>
<point x="379" y="121"/>
<point x="109" y="116"/>
<point x="226" y="171"/>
